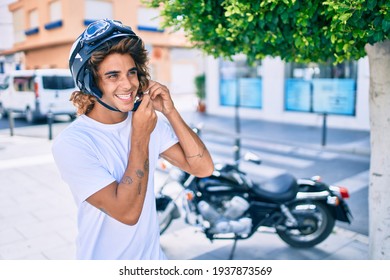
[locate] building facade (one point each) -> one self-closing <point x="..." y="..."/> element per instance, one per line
<point x="44" y="31"/>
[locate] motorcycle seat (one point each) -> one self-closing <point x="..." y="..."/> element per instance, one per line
<point x="282" y="188"/>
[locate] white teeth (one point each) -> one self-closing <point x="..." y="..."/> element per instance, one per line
<point x="124" y="96"/>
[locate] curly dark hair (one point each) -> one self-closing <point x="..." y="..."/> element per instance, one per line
<point x="131" y="45"/>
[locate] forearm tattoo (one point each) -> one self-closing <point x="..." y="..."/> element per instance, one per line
<point x="200" y="155"/>
<point x="139" y="173"/>
<point x="127" y="180"/>
<point x="146" y="165"/>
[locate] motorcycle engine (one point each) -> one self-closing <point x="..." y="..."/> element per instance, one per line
<point x="228" y="217"/>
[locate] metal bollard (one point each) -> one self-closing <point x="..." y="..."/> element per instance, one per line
<point x="11" y="122"/>
<point x="324" y="128"/>
<point x="50" y="117"/>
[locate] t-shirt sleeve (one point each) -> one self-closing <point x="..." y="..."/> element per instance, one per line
<point x="167" y="136"/>
<point x="80" y="168"/>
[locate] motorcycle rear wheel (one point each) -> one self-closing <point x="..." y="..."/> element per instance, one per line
<point x="315" y="224"/>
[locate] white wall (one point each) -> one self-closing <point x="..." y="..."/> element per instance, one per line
<point x="185" y="65"/>
<point x="7" y="37"/>
<point x="6" y="27"/>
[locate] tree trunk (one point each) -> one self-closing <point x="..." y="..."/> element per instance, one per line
<point x="379" y="186"/>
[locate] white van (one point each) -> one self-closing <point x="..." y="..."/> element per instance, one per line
<point x="35" y="93"/>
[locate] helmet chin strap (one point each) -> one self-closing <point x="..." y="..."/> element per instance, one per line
<point x="95" y="91"/>
<point x="91" y="88"/>
<point x="107" y="106"/>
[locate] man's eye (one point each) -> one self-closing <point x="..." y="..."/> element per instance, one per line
<point x="133" y="72"/>
<point x="112" y="76"/>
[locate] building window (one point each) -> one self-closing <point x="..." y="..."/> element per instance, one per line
<point x="33" y="22"/>
<point x="97" y="9"/>
<point x="55" y="15"/>
<point x="240" y="83"/>
<point x="321" y="88"/>
<point x="33" y="18"/>
<point x="148" y="20"/>
<point x="55" y="11"/>
<point x="19" y="25"/>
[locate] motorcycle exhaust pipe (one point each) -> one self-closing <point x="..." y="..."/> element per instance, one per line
<point x="323" y="195"/>
<point x="312" y="195"/>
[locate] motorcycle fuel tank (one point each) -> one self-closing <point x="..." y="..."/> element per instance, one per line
<point x="220" y="182"/>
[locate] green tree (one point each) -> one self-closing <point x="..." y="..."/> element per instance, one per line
<point x="304" y="31"/>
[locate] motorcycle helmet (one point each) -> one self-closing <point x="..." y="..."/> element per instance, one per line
<point x="94" y="36"/>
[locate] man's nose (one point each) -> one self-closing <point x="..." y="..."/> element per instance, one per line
<point x="127" y="83"/>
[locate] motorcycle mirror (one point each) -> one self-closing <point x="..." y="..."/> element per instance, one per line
<point x="252" y="157"/>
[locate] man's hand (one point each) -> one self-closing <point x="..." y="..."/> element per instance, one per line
<point x="144" y="119"/>
<point x="160" y="97"/>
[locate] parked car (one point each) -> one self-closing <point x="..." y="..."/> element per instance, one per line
<point x="35" y="93"/>
<point x="3" y="87"/>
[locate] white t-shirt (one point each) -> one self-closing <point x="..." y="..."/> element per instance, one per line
<point x="91" y="155"/>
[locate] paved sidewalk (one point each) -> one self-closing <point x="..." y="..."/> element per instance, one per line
<point x="188" y="243"/>
<point x="38" y="216"/>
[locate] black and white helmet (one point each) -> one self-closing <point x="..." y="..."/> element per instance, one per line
<point x="94" y="36"/>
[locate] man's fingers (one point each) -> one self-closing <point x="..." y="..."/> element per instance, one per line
<point x="158" y="90"/>
<point x="151" y="84"/>
<point x="155" y="88"/>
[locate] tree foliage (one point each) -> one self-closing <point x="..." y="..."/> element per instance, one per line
<point x="295" y="30"/>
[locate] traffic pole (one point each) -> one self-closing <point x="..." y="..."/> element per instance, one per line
<point x="324" y="129"/>
<point x="50" y="124"/>
<point x="11" y="122"/>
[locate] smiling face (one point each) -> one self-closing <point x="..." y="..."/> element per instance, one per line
<point x="118" y="81"/>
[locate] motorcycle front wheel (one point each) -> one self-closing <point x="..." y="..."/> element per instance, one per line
<point x="315" y="224"/>
<point x="164" y="220"/>
<point x="166" y="212"/>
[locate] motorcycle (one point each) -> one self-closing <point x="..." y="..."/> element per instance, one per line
<point x="229" y="205"/>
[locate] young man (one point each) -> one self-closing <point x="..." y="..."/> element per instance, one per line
<point x="108" y="155"/>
